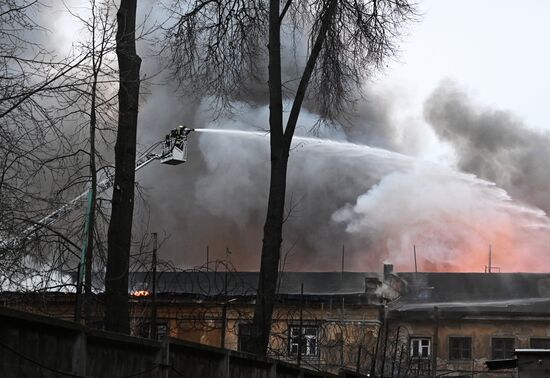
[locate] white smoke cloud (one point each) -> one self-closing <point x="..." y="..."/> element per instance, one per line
<point x="450" y="217"/>
<point x="377" y="202"/>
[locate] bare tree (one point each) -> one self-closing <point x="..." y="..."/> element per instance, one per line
<point x="99" y="104"/>
<point x="31" y="138"/>
<point x="51" y="112"/>
<point x="82" y="90"/>
<point x="217" y="47"/>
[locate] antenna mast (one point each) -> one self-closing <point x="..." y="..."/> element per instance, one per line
<point x="415" y="266"/>
<point x="490" y="262"/>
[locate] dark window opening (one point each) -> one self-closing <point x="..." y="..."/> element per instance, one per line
<point x="96" y="324"/>
<point x="460" y="348"/>
<point x="503" y="348"/>
<point x="245" y="337"/>
<point x="540" y="343"/>
<point x="308" y="344"/>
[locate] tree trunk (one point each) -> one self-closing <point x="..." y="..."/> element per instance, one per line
<point x="97" y="59"/>
<point x="280" y="147"/>
<point x="267" y="281"/>
<point x="273" y="228"/>
<point x="120" y="226"/>
<point x="91" y="214"/>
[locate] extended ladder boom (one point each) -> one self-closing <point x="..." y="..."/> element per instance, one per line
<point x="174" y="151"/>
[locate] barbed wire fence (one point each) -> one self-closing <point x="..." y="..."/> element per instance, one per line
<point x="212" y="304"/>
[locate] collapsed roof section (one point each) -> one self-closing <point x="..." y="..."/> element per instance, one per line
<point x="470" y="293"/>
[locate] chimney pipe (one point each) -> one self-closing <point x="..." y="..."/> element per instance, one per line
<point x="388" y="270"/>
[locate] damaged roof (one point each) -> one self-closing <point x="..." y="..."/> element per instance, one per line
<point x="520" y="293"/>
<point x="244" y="283"/>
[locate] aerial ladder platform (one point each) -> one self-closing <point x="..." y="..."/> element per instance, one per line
<point x="173" y="151"/>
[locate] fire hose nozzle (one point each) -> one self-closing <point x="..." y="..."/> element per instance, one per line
<point x="185" y="130"/>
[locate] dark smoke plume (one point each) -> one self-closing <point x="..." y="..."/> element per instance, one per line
<point x="493" y="144"/>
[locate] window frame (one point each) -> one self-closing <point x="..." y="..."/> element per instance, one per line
<point x="420" y="338"/>
<point x="493" y="355"/>
<point x="461" y="348"/>
<point x="307" y="345"/>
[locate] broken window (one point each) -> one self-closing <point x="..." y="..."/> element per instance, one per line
<point x="420" y="347"/>
<point x="503" y="347"/>
<point x="308" y="337"/>
<point x="460" y="348"/>
<point x="540" y="343"/>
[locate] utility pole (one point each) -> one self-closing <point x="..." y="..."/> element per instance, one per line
<point x="386" y="331"/>
<point x="490" y="262"/>
<point x="207" y="256"/>
<point x="490" y="268"/>
<point x="436" y="341"/>
<point x="342" y="318"/>
<point x="154" y="290"/>
<point x="343" y="259"/>
<point x="224" y="305"/>
<point x="224" y="323"/>
<point x="301" y="332"/>
<point x="82" y="263"/>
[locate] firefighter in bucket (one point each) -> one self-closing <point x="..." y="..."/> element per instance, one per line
<point x="174" y="150"/>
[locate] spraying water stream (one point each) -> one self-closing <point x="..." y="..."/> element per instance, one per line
<point x="402" y="200"/>
<point x="383" y="162"/>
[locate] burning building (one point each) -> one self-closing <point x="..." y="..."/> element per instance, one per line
<point x="389" y="324"/>
<point x="458" y="321"/>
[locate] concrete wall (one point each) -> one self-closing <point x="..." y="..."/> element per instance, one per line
<point x="347" y="328"/>
<point x="37" y="346"/>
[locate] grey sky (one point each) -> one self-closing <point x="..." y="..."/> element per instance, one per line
<point x="496" y="50"/>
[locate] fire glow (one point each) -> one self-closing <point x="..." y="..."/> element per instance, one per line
<point x="451" y="223"/>
<point x="140" y="293"/>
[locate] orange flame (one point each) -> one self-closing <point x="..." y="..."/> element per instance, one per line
<point x="140" y="293"/>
